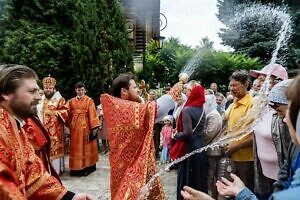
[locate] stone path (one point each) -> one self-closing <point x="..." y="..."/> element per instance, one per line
<point x="97" y="183"/>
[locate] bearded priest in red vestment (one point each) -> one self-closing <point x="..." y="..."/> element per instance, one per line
<point x="22" y="173"/>
<point x="130" y="134"/>
<point x="53" y="113"/>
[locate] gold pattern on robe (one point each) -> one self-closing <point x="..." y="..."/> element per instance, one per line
<point x="132" y="159"/>
<point x="22" y="173"/>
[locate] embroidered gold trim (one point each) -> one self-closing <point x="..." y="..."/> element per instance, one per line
<point x="62" y="194"/>
<point x="37" y="185"/>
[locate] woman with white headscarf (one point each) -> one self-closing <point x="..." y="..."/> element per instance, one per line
<point x="213" y="120"/>
<point x="213" y="125"/>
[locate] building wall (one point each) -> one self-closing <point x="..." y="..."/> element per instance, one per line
<point x="144" y="17"/>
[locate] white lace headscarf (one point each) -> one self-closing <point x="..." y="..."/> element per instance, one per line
<point x="210" y="103"/>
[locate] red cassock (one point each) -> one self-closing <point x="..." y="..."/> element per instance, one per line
<point x="83" y="118"/>
<point x="40" y="140"/>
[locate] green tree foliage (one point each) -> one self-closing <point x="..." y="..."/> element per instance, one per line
<point x="294" y="50"/>
<point x="227" y="8"/>
<point x="164" y="66"/>
<point x="216" y="66"/>
<point x="254" y="35"/>
<point x="101" y="49"/>
<point x="81" y="40"/>
<point x="205" y="44"/>
<point x="37" y="34"/>
<point x="208" y="65"/>
<point x="2" y="5"/>
<point x="257" y="39"/>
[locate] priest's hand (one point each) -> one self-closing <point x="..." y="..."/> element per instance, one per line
<point x="82" y="196"/>
<point x="189" y="193"/>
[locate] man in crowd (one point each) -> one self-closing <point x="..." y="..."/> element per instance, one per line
<point x="22" y="173"/>
<point x="240" y="151"/>
<point x="103" y="131"/>
<point x="53" y="114"/>
<point x="157" y="126"/>
<point x="84" y="126"/>
<point x="214" y="87"/>
<point x="130" y="132"/>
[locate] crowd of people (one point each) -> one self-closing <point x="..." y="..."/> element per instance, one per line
<point x="138" y="130"/>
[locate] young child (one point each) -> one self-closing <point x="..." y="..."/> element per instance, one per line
<point x="166" y="139"/>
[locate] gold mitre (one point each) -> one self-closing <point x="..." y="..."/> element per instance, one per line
<point x="49" y="82"/>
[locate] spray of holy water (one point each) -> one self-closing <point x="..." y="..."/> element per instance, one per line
<point x="249" y="17"/>
<point x="193" y="64"/>
<point x="244" y="127"/>
<point x="267" y="16"/>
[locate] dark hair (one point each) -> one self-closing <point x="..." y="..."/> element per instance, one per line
<point x="11" y="77"/>
<point x="292" y="94"/>
<point x="241" y="76"/>
<point x="122" y="81"/>
<point x="79" y="85"/>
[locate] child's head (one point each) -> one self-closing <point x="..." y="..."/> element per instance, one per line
<point x="168" y="120"/>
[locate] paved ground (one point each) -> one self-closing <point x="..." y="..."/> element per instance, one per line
<point x="97" y="183"/>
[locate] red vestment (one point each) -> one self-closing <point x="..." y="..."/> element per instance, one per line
<point x="132" y="158"/>
<point x="40" y="140"/>
<point x="53" y="114"/>
<point x="83" y="118"/>
<point x="22" y="173"/>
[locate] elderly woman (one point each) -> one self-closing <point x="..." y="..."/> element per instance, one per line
<point x="286" y="150"/>
<point x="271" y="142"/>
<point x="212" y="127"/>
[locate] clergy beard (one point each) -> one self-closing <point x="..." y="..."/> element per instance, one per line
<point x="22" y="109"/>
<point x="49" y="95"/>
<point x="134" y="98"/>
